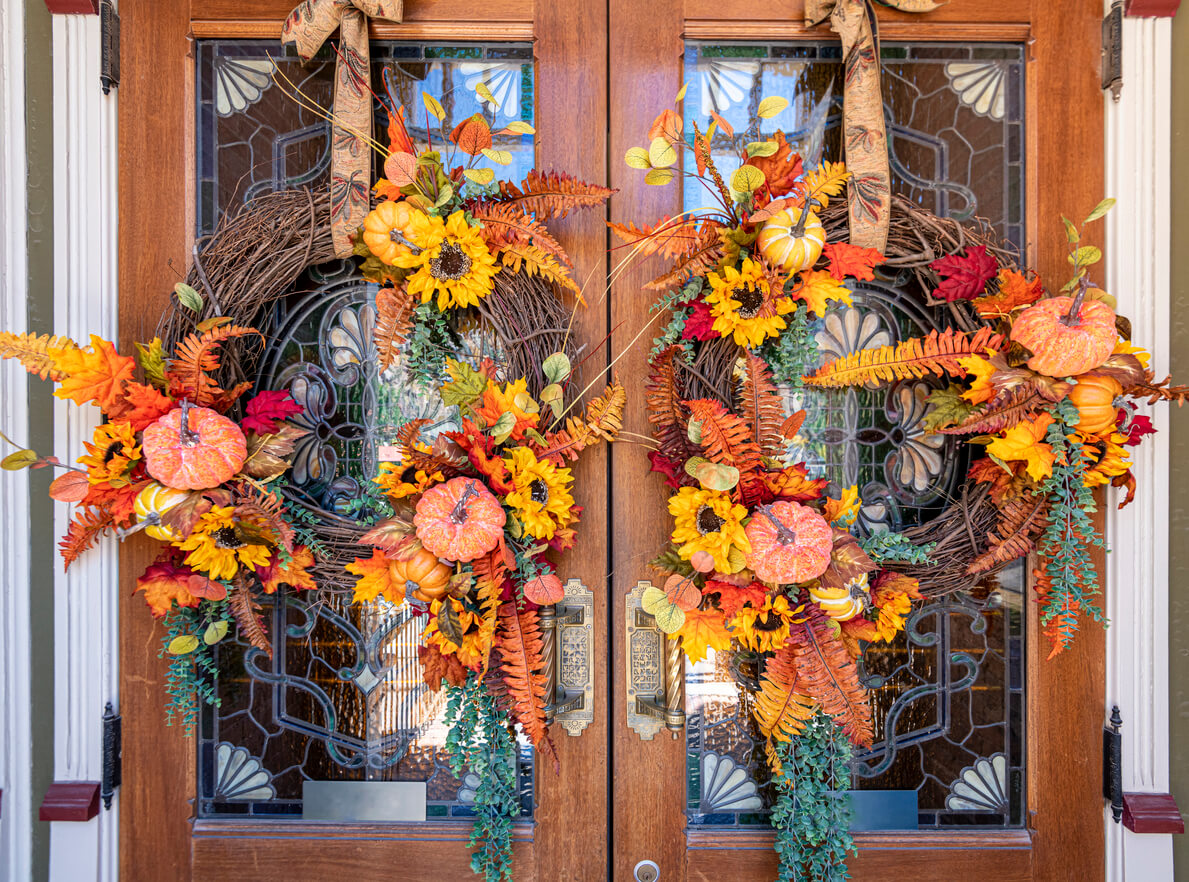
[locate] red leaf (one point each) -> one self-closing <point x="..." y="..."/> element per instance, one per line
<point x="700" y="323"/>
<point x="264" y="410"/>
<point x="732" y="597"/>
<point x="1139" y="426"/>
<point x="673" y="472"/>
<point x="851" y="260"/>
<point x="965" y="277"/>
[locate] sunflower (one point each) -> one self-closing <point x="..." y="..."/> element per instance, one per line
<point x="399" y="482"/>
<point x="541" y="493"/>
<point x="217" y="546"/>
<point x="742" y="304"/>
<point x="111" y="454"/>
<point x="478" y="633"/>
<point x="452" y="261"/>
<point x="708" y="521"/>
<point x="767" y="628"/>
<point x="1104" y="456"/>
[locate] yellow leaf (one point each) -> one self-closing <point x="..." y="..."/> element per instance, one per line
<point x="771" y="106"/>
<point x="485" y="93"/>
<point x="637" y="157"/>
<point x="480" y="175"/>
<point x="433" y="105"/>
<point x="818" y="287"/>
<point x="843" y="511"/>
<point x="519" y="127"/>
<point x="669" y="616"/>
<point x="702" y="630"/>
<point x="746" y="179"/>
<point x="183" y="645"/>
<point x="499" y="157"/>
<point x="658" y="177"/>
<point x="1023" y="443"/>
<point x="681" y="93"/>
<point x="661" y="153"/>
<point x="826" y="181"/>
<point x="375" y="579"/>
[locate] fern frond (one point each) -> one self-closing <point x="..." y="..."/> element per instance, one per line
<point x="553" y="194"/>
<point x="826" y="672"/>
<point x="1021" y="522"/>
<point x="916" y="357"/>
<point x="672" y="238"/>
<point x="439" y="458"/>
<point x="518" y="638"/>
<point x="490" y="573"/>
<point x="85" y="529"/>
<point x="536" y="262"/>
<point x="761" y="405"/>
<point x="698" y="263"/>
<point x="1157" y="390"/>
<point x="664" y="394"/>
<point x="602" y="420"/>
<point x="37" y="353"/>
<point x="726" y="438"/>
<point x="822" y="183"/>
<point x="780" y="710"/>
<point x="263" y="513"/>
<point x="504" y="225"/>
<point x="394" y="320"/>
<point x="1002" y="413"/>
<point x="197" y="357"/>
<point x="247" y="616"/>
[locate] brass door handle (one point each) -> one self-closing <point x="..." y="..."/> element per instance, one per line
<point x="655" y="672"/>
<point x="567" y="637"/>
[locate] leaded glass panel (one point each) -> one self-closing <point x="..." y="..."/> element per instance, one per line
<point x="343" y="698"/>
<point x="947" y="697"/>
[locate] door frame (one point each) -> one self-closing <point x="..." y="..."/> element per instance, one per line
<point x="1065" y="742"/>
<point x="158" y="101"/>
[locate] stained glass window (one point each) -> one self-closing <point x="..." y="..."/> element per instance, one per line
<point x="343" y="698"/>
<point x="947" y="695"/>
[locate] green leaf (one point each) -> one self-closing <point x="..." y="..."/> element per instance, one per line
<point x="445" y="196"/>
<point x="188" y="297"/>
<point x="946" y="407"/>
<point x="669" y="616"/>
<point x="556" y="367"/>
<point x="771" y="106"/>
<point x="761" y="148"/>
<point x="22" y="459"/>
<point x="1071" y="232"/>
<point x="661" y="153"/>
<point x="746" y="179"/>
<point x="714" y="476"/>
<point x="182" y="645"/>
<point x="215" y="632"/>
<point x="465" y="385"/>
<point x="693" y="430"/>
<point x="433" y="106"/>
<point x="1100" y="209"/>
<point x="637" y="157"/>
<point x="449" y="624"/>
<point x="1086" y="256"/>
<point x="151" y="359"/>
<point x="502" y="428"/>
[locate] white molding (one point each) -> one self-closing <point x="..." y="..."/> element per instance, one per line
<point x="86" y="647"/>
<point x="1138" y="145"/>
<point x="16" y="760"/>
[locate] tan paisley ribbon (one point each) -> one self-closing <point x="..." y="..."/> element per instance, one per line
<point x="865" y="133"/>
<point x="309" y="25"/>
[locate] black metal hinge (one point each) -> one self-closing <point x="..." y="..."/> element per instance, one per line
<point x="112" y="756"/>
<point x="1112" y="764"/>
<point x="109" y="46"/>
<point x="1112" y="50"/>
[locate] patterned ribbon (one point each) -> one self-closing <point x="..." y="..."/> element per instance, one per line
<point x="865" y="135"/>
<point x="309" y="25"/>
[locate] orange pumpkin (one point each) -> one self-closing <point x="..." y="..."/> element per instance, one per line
<point x="459" y="520"/>
<point x="193" y="448"/>
<point x="790" y="543"/>
<point x="426" y="578"/>
<point x="1095" y="399"/>
<point x="386" y="230"/>
<point x="1066" y="336"/>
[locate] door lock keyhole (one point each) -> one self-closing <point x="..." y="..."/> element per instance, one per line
<point x="647" y="871"/>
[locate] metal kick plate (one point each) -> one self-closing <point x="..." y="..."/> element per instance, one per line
<point x="645" y="668"/>
<point x="575" y="652"/>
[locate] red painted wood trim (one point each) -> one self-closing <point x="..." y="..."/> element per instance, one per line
<point x="85" y="7"/>
<point x="1152" y="813"/>
<point x="1152" y="8"/>
<point x="70" y="801"/>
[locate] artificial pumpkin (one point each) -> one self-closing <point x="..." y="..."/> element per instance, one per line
<point x="1066" y="336"/>
<point x="424" y="576"/>
<point x="151" y="503"/>
<point x="193" y="448"/>
<point x="459" y="520"/>
<point x="842" y="603"/>
<point x="385" y="227"/>
<point x="790" y="543"/>
<point x="1095" y="397"/>
<point x="791" y="242"/>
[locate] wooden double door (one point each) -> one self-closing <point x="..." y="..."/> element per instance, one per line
<point x="995" y="112"/>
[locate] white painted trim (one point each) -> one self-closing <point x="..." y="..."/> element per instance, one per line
<point x="86" y="647"/>
<point x="1138" y="145"/>
<point x="16" y="760"/>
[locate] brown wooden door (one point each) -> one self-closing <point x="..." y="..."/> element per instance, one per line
<point x="166" y="194"/>
<point x="730" y="52"/>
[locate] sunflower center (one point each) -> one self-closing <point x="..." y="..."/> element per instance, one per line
<point x="451" y="263"/>
<point x="226" y="537"/>
<point x="112" y="451"/>
<point x="750" y="301"/>
<point x="708" y="521"/>
<point x="538" y="491"/>
<point x="768" y="622"/>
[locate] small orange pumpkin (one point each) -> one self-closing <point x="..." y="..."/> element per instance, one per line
<point x="790" y="543"/>
<point x="459" y="520"/>
<point x="385" y="227"/>
<point x="426" y="578"/>
<point x="1066" y="336"/>
<point x="193" y="448"/>
<point x="1095" y="399"/>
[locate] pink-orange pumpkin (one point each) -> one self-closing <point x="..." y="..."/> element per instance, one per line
<point x="459" y="520"/>
<point x="790" y="543"/>
<point x="1066" y="336"/>
<point x="193" y="448"/>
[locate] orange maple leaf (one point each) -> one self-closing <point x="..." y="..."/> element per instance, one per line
<point x="293" y="572"/>
<point x="167" y="582"/>
<point x="732" y="597"/>
<point x="1015" y="289"/>
<point x="851" y="260"/>
<point x="703" y="629"/>
<point x="95" y="374"/>
<point x="781" y="169"/>
<point x="143" y="405"/>
<point x="375" y="579"/>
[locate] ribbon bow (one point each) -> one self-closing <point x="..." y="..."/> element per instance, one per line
<point x="869" y="195"/>
<point x="309" y="25"/>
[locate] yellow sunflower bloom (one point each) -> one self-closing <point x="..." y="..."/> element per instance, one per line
<point x="744" y="306"/>
<point x="217" y="547"/>
<point x="541" y="494"/>
<point x="478" y="633"/>
<point x="453" y="262"/>
<point x="767" y="628"/>
<point x="708" y="521"/>
<point x="1105" y="457"/>
<point x="111" y="454"/>
<point x="399" y="482"/>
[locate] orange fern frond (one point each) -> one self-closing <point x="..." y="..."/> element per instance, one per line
<point x="196" y="358"/>
<point x="438" y="458"/>
<point x="491" y="571"/>
<point x="761" y="405"/>
<point x="826" y="672"/>
<point x="553" y="194"/>
<point x="1021" y="521"/>
<point x="518" y="638"/>
<point x="1063" y="625"/>
<point x="38" y="354"/>
<point x="726" y="438"/>
<point x="664" y="394"/>
<point x="1157" y="390"/>
<point x="534" y="261"/>
<point x="698" y="263"/>
<point x="85" y="529"/>
<point x="916" y="357"/>
<point x="673" y="238"/>
<point x="1002" y="413"/>
<point x="780" y="710"/>
<point x="506" y="224"/>
<point x="247" y="616"/>
<point x="262" y="513"/>
<point x="602" y="420"/>
<point x="394" y="320"/>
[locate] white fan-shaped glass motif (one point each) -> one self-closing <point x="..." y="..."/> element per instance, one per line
<point x="502" y="80"/>
<point x="351" y="337"/>
<point x="240" y="775"/>
<point x="981" y="86"/>
<point x="727" y="82"/>
<point x="848" y="330"/>
<point x="239" y="83"/>
<point x="920" y="456"/>
<point x="981" y="787"/>
<point x="726" y="786"/>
